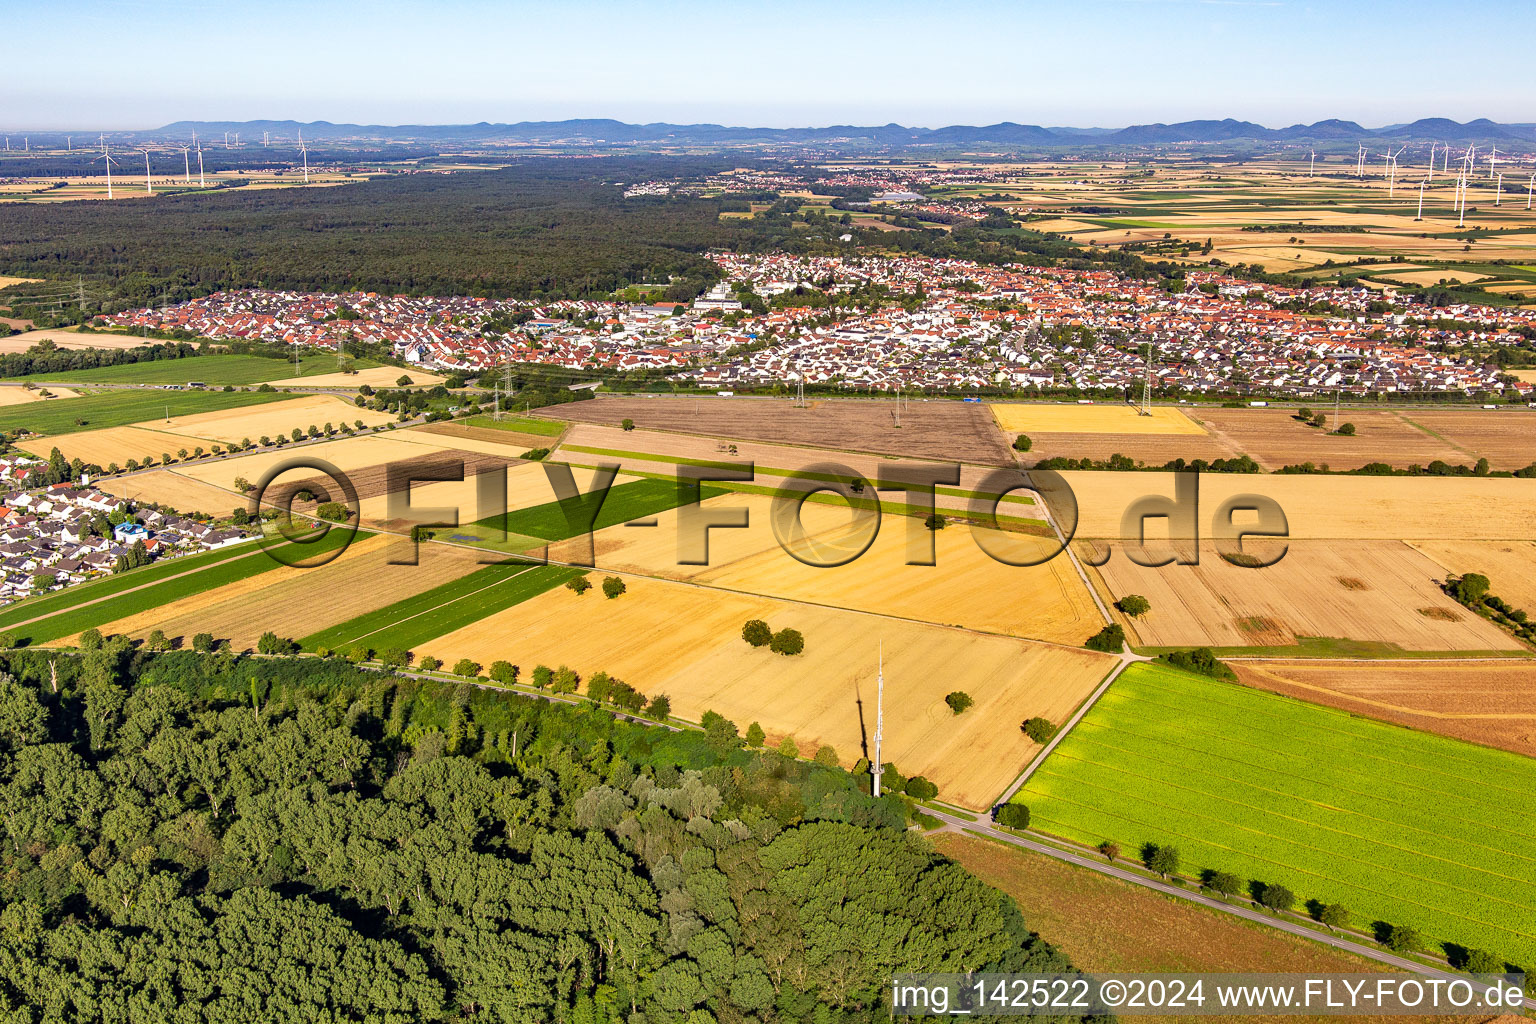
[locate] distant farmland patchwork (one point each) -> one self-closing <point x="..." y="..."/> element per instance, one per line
<point x="1398" y="826"/>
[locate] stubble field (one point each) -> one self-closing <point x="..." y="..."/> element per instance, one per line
<point x="294" y="602"/>
<point x="1105" y="418"/>
<point x="1332" y="507"/>
<point x="964" y="587"/>
<point x="671" y="638"/>
<point x="1379" y="592"/>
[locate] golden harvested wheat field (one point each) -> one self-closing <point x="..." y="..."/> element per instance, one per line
<point x="966" y="587"/>
<point x="296" y="602"/>
<point x="443" y="440"/>
<point x="374" y="376"/>
<point x="1109" y="418"/>
<point x="1510" y="565"/>
<point x="527" y="484"/>
<point x="67" y="339"/>
<point x="26" y="396"/>
<point x="171" y="489"/>
<point x="664" y="637"/>
<point x="666" y="448"/>
<point x="113" y="444"/>
<point x="1374" y="591"/>
<point x="1342" y="507"/>
<point x="346" y="454"/>
<point x="252" y="421"/>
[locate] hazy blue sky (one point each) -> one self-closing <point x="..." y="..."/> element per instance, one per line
<point x="142" y="63"/>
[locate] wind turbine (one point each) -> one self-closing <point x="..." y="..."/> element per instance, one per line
<point x="1530" y="190"/>
<point x="226" y="140"/>
<point x="186" y="161"/>
<point x="201" y="181"/>
<point x="1312" y="172"/>
<point x="305" y="154"/>
<point x="106" y="154"/>
<point x="1492" y="159"/>
<point x="1420" y="215"/>
<point x="1432" y="161"/>
<point x="1360" y="160"/>
<point x="1498" y="195"/>
<point x="148" y="185"/>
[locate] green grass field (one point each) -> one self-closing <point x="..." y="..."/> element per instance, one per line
<point x="214" y="370"/>
<point x="121" y="408"/>
<point x="1399" y="826"/>
<point x="519" y="424"/>
<point x="84" y="606"/>
<point x="638" y="499"/>
<point x="443" y="609"/>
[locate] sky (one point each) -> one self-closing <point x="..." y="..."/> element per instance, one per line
<point x="124" y="64"/>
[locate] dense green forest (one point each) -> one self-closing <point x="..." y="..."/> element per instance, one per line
<point x="540" y="228"/>
<point x="210" y="837"/>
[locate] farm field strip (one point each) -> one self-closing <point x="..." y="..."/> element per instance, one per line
<point x="945" y="430"/>
<point x="1306" y="795"/>
<point x="685" y="641"/>
<point x="105" y="409"/>
<point x="1045" y="601"/>
<point x="1109" y="418"/>
<point x="1409" y="827"/>
<point x="624" y="503"/>
<point x="361" y="626"/>
<point x="1492" y="705"/>
<point x="214" y="370"/>
<point x="424" y="617"/>
<point x="369" y="574"/>
<point x="70" y="597"/>
<point x="1356" y="734"/>
<point x="1191" y="832"/>
<point x="72" y="620"/>
<point x="966" y="514"/>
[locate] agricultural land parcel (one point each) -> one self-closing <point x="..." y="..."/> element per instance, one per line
<point x="939" y="430"/>
<point x="1330" y="507"/>
<point x="370" y="574"/>
<point x="1488" y="702"/>
<point x="67" y="339"/>
<point x="1376" y="592"/>
<point x="107" y="409"/>
<point x="216" y="371"/>
<point x="71" y="611"/>
<point x="1399" y="826"/>
<point x="964" y="587"/>
<point x="1111" y="926"/>
<point x="684" y="641"/>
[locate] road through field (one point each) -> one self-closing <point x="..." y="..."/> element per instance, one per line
<point x="1381" y="956"/>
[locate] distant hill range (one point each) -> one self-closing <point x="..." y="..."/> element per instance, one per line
<point x="1007" y="135"/>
